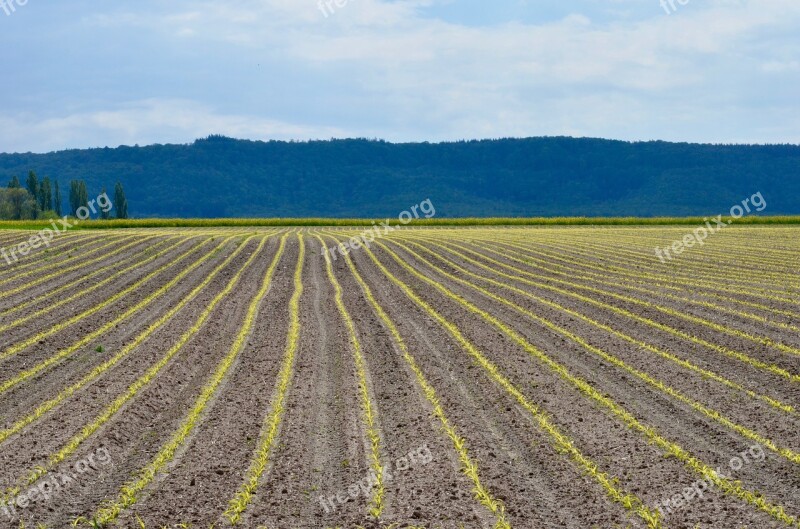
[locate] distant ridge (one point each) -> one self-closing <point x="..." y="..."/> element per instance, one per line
<point x="532" y="177"/>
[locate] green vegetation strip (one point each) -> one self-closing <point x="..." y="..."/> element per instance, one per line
<point x="472" y="221"/>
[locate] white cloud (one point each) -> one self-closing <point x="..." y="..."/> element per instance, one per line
<point x="390" y="69"/>
<point x="144" y="122"/>
<point x="781" y="66"/>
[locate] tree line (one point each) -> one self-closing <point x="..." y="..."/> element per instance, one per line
<point x="222" y="177"/>
<point x="41" y="199"/>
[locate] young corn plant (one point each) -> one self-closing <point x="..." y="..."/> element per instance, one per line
<point x="239" y="503"/>
<point x="129" y="493"/>
<point x="482" y="495"/>
<point x="730" y="487"/>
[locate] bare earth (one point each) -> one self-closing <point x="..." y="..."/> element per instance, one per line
<point x="441" y="378"/>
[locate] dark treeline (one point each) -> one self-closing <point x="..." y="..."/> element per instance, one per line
<point x="41" y="199"/>
<point x="222" y="177"/>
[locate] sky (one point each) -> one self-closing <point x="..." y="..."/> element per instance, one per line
<point x="80" y="73"/>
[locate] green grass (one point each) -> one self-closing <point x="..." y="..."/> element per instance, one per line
<point x="494" y="221"/>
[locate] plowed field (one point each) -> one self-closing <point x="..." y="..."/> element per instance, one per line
<point x="551" y="377"/>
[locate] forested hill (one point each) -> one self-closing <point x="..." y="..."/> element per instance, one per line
<point x="222" y="177"/>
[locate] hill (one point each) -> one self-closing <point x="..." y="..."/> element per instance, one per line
<point x="554" y="176"/>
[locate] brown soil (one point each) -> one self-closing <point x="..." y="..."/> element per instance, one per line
<point x="322" y="450"/>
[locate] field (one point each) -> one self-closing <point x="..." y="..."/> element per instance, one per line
<point x="476" y="377"/>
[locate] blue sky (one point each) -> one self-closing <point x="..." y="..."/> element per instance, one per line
<point x="79" y="74"/>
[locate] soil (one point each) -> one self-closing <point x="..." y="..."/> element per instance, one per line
<point x="318" y="472"/>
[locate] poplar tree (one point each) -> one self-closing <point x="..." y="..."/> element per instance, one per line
<point x="57" y="199"/>
<point x="105" y="214"/>
<point x="45" y="197"/>
<point x="83" y="195"/>
<point x="120" y="202"/>
<point x="78" y="196"/>
<point x="32" y="184"/>
<point x="73" y="197"/>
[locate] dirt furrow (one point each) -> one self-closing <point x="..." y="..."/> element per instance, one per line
<point x="516" y="459"/>
<point x="91" y="354"/>
<point x="137" y="432"/>
<point x="637" y="463"/>
<point x="707" y="436"/>
<point x="210" y="465"/>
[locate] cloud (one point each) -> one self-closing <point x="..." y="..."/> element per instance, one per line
<point x="405" y="70"/>
<point x="144" y="122"/>
<point x="781" y="66"/>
